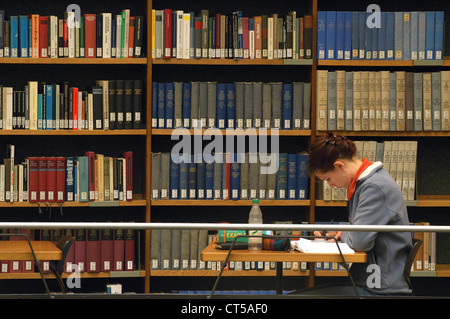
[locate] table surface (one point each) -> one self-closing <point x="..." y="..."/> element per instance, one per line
<point x="210" y="253"/>
<point x="20" y="250"/>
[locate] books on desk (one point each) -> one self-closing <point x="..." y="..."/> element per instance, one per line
<point x="320" y="246"/>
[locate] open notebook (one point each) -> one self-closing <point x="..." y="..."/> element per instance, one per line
<point x="320" y="246"/>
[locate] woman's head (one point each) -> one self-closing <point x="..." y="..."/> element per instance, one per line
<point x="330" y="158"/>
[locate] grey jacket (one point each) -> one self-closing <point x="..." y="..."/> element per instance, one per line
<point x="379" y="201"/>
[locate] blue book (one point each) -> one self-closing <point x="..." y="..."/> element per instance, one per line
<point x="186" y="113"/>
<point x="70" y="179"/>
<point x="240" y="36"/>
<point x="154" y="104"/>
<point x="23" y="36"/>
<point x="221" y="105"/>
<point x="235" y="177"/>
<point x="281" y="177"/>
<point x="292" y="176"/>
<point x="361" y="34"/>
<point x="375" y="43"/>
<point x="355" y="35"/>
<point x="321" y="34"/>
<point x="390" y="35"/>
<point x="302" y="176"/>
<point x="398" y="36"/>
<point x="422" y="33"/>
<point x="14" y="34"/>
<point x="331" y="35"/>
<point x="439" y="35"/>
<point x="83" y="178"/>
<point x="231" y="105"/>
<point x="161" y="105"/>
<point x="113" y="38"/>
<point x="367" y="38"/>
<point x="414" y="17"/>
<point x="348" y="16"/>
<point x="287" y="106"/>
<point x="174" y="177"/>
<point x="39" y="111"/>
<point x="49" y="106"/>
<point x="429" y="35"/>
<point x="169" y="105"/>
<point x="201" y="167"/>
<point x="382" y="37"/>
<point x="174" y="34"/>
<point x="406" y="36"/>
<point x="209" y="180"/>
<point x="192" y="179"/>
<point x="340" y="34"/>
<point x="184" y="180"/>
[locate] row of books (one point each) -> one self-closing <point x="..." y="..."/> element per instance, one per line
<point x="399" y="159"/>
<point x="380" y="35"/>
<point x="195" y="35"/>
<point x="425" y="259"/>
<point x="90" y="177"/>
<point x="383" y="100"/>
<point x="230" y="176"/>
<point x="108" y="104"/>
<point x="103" y="35"/>
<point x="231" y="105"/>
<point x="93" y="250"/>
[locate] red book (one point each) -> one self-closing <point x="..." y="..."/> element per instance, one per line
<point x="66" y="38"/>
<point x="45" y="234"/>
<point x="51" y="179"/>
<point x="74" y="108"/>
<point x="90" y="41"/>
<point x="131" y="38"/>
<point x="167" y="33"/>
<point x="80" y="249"/>
<point x="34" y="35"/>
<point x="60" y="179"/>
<point x="93" y="250"/>
<point x="218" y="36"/>
<point x="91" y="162"/>
<point x="4" y="264"/>
<point x="33" y="179"/>
<point x="106" y="249"/>
<point x="119" y="250"/>
<point x="129" y="249"/>
<point x="301" y="50"/>
<point x="245" y="38"/>
<point x="70" y="258"/>
<point x="43" y="37"/>
<point x="128" y="156"/>
<point x="42" y="179"/>
<point x="258" y="37"/>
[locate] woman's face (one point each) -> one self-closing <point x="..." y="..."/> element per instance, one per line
<point x="338" y="177"/>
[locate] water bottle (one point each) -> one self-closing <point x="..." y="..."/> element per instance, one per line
<point x="255" y="217"/>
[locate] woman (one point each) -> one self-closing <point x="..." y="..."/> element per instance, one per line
<point x="374" y="198"/>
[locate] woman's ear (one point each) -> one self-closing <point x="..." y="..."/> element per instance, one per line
<point x="339" y="164"/>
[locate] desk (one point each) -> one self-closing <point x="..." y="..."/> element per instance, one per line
<point x="212" y="254"/>
<point x="21" y="250"/>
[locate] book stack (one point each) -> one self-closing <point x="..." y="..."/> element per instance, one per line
<point x="231" y="105"/>
<point x="380" y="36"/>
<point x="103" y="35"/>
<point x="93" y="250"/>
<point x="383" y="100"/>
<point x="230" y="176"/>
<point x="90" y="177"/>
<point x="195" y="35"/>
<point x="399" y="159"/>
<point x="105" y="105"/>
<point x="425" y="259"/>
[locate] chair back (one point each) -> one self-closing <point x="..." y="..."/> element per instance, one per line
<point x="64" y="244"/>
<point x="409" y="262"/>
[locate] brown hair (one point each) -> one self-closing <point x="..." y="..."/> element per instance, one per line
<point x="326" y="149"/>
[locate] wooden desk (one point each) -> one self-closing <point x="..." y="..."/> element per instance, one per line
<point x="20" y="250"/>
<point x="212" y="254"/>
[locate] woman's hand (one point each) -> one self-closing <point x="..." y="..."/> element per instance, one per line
<point x="335" y="234"/>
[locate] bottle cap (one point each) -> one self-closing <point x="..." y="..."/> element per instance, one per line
<point x="255" y="201"/>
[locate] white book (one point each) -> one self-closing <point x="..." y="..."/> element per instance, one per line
<point x="90" y="102"/>
<point x="33" y="103"/>
<point x="186" y="37"/>
<point x="270" y="38"/>
<point x="7" y="108"/>
<point x="118" y="35"/>
<point x="106" y="29"/>
<point x="53" y="36"/>
<point x="320" y="246"/>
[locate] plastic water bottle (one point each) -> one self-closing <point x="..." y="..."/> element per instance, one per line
<point x="255" y="217"/>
